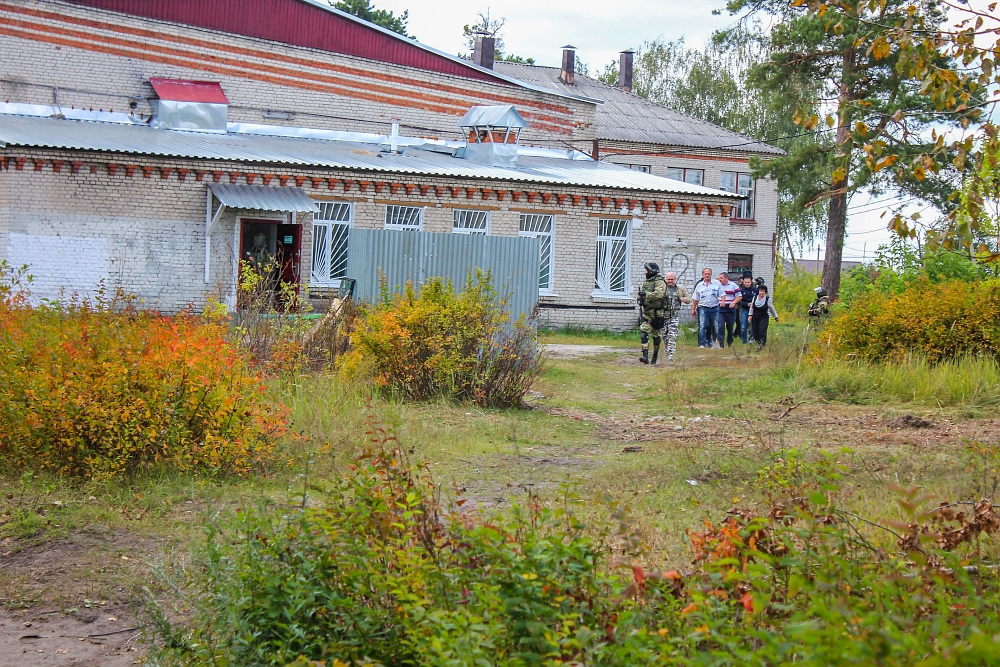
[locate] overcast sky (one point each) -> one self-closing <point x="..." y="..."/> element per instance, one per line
<point x="538" y="29"/>
<point x="600" y="30"/>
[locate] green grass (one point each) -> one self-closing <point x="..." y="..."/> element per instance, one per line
<point x="971" y="382"/>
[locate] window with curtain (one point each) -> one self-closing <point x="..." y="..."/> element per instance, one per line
<point x="540" y="226"/>
<point x="331" y="224"/>
<point x="611" y="274"/>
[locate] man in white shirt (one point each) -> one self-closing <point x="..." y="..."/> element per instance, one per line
<point x="705" y="301"/>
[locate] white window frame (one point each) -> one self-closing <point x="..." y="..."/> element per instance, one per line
<point x="324" y="233"/>
<point x="461" y="217"/>
<point x="746" y="209"/>
<point x="684" y="175"/>
<point x="606" y="248"/>
<point x="541" y="235"/>
<point x="392" y="208"/>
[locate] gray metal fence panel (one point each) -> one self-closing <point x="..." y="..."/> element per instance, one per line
<point x="403" y="256"/>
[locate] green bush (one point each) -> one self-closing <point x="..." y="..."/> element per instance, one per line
<point x="794" y="290"/>
<point x="376" y="570"/>
<point x="898" y="265"/>
<point x="446" y="343"/>
<point x="934" y="321"/>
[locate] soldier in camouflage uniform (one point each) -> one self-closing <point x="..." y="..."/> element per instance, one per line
<point x="676" y="295"/>
<point x="821" y="306"/>
<point x="652" y="302"/>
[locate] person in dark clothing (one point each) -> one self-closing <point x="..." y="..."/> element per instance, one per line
<point x="748" y="292"/>
<point x="761" y="310"/>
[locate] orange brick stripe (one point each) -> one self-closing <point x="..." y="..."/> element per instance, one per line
<point x="219" y="69"/>
<point x="683" y="156"/>
<point x="212" y="46"/>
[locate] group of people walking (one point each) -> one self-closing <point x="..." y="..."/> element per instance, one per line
<point x="725" y="310"/>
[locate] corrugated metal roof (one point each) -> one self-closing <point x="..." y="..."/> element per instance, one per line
<point x="263" y="198"/>
<point x="304" y="152"/>
<point x="625" y="116"/>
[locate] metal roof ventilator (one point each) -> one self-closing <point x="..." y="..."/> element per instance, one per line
<point x="198" y="106"/>
<point x="491" y="134"/>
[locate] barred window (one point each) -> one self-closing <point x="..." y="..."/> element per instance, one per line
<point x="540" y="226"/>
<point x="404" y="218"/>
<point x="331" y="224"/>
<point x="471" y="222"/>
<point x="611" y="274"/>
<point x="741" y="184"/>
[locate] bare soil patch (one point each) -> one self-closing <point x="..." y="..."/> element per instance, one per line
<point x="104" y="636"/>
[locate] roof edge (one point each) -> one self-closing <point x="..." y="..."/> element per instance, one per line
<point x="461" y="61"/>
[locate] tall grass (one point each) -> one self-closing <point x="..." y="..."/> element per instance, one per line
<point x="969" y="381"/>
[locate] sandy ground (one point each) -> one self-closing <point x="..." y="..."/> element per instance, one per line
<point x="566" y="351"/>
<point x="101" y="636"/>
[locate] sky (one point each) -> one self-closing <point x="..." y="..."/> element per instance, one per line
<point x="600" y="30"/>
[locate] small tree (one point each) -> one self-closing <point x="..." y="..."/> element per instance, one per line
<point x="491" y="27"/>
<point x="363" y="9"/>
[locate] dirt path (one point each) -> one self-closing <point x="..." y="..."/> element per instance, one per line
<point x="101" y="636"/>
<point x="567" y="351"/>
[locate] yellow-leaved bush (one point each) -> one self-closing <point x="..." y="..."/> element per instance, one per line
<point x="934" y="321"/>
<point x="89" y="391"/>
<point x="439" y="342"/>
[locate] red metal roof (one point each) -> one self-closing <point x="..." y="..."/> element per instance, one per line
<point x="180" y="90"/>
<point x="296" y="22"/>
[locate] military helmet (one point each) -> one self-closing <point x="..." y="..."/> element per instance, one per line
<point x="652" y="268"/>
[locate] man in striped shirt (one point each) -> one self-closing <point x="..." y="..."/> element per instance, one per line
<point x="728" y="300"/>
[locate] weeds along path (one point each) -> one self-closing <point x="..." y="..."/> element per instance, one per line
<point x="685" y="440"/>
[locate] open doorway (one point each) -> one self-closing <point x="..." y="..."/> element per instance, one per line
<point x="272" y="249"/>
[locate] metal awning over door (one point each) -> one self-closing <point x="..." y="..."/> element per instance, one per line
<point x="263" y="198"/>
<point x="254" y="198"/>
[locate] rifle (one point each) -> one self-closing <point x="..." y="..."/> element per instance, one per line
<point x="642" y="304"/>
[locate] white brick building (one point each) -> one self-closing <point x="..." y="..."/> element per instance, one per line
<point x="111" y="199"/>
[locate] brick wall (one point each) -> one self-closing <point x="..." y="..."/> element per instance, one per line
<point x="751" y="238"/>
<point x="150" y="225"/>
<point x="4" y="211"/>
<point x="95" y="58"/>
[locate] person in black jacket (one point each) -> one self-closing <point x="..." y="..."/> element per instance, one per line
<point x="761" y="310"/>
<point x="748" y="292"/>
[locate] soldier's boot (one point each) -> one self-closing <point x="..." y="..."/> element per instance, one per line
<point x="645" y="356"/>
<point x="656" y="352"/>
<point x="644" y="337"/>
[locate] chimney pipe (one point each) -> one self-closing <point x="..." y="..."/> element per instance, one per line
<point x="625" y="70"/>
<point x="484" y="52"/>
<point x="568" y="65"/>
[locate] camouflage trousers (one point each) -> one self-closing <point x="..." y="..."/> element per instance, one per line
<point x="671" y="329"/>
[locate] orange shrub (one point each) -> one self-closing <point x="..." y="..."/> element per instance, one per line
<point x="88" y="392"/>
<point x="935" y="321"/>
